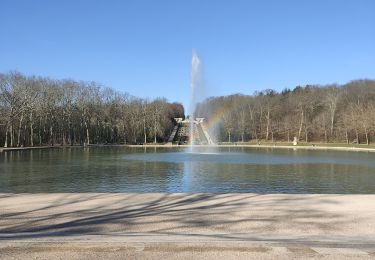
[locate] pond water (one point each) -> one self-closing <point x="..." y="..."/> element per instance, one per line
<point x="219" y="170"/>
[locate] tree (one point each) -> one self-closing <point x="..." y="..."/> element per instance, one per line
<point x="76" y="112"/>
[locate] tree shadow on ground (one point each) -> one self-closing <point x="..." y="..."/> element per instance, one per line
<point x="225" y="216"/>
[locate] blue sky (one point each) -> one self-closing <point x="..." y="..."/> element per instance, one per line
<point x="144" y="47"/>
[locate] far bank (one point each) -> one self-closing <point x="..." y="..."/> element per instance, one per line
<point x="304" y="146"/>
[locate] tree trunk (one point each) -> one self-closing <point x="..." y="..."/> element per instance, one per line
<point x="357" y="136"/>
<point x="19" y="131"/>
<point x="11" y="135"/>
<point x="123" y="126"/>
<point x="70" y="133"/>
<point x="347" y="136"/>
<point x="367" y="137"/>
<point x="51" y="135"/>
<point x="39" y="131"/>
<point x="325" y="136"/>
<point x="144" y="131"/>
<point x="300" y="126"/>
<point x="155" y="131"/>
<point x="268" y="125"/>
<point x="24" y="135"/>
<point x="332" y="123"/>
<point x="31" y="130"/>
<point x="87" y="134"/>
<point x="6" y="136"/>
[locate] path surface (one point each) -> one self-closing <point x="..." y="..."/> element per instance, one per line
<point x="185" y="226"/>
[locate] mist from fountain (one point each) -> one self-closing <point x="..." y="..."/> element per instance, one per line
<point x="196" y="92"/>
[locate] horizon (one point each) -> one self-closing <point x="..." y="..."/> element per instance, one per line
<point x="144" y="48"/>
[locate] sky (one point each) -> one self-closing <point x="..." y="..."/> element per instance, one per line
<point x="144" y="48"/>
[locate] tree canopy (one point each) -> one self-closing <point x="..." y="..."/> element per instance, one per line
<point x="330" y="113"/>
<point x="42" y="111"/>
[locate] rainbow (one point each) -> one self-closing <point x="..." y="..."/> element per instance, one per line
<point x="216" y="118"/>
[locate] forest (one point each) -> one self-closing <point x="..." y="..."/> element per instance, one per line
<point x="311" y="113"/>
<point x="36" y="111"/>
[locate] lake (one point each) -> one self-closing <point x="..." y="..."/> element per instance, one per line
<point x="214" y="170"/>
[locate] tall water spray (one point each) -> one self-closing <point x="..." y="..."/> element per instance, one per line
<point x="195" y="92"/>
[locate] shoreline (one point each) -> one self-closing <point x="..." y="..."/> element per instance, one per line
<point x="334" y="147"/>
<point x="303" y="147"/>
<point x="142" y="225"/>
<point x="8" y="149"/>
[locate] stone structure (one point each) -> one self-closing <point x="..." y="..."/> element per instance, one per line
<point x="181" y="132"/>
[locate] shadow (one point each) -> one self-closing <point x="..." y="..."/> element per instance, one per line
<point x="224" y="216"/>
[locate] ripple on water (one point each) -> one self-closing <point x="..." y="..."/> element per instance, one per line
<point x="175" y="170"/>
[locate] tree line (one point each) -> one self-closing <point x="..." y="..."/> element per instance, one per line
<point x="43" y="111"/>
<point x="312" y="113"/>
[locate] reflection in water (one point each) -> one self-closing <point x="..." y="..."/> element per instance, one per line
<point x="186" y="176"/>
<point x="119" y="169"/>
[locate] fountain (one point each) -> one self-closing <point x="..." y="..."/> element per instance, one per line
<point x="192" y="130"/>
<point x="196" y="88"/>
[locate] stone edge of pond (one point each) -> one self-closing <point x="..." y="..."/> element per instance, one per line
<point x="333" y="148"/>
<point x="312" y="147"/>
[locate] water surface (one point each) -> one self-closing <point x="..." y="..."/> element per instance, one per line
<point x="121" y="169"/>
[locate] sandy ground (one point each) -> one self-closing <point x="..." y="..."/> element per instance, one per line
<point x="186" y="226"/>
